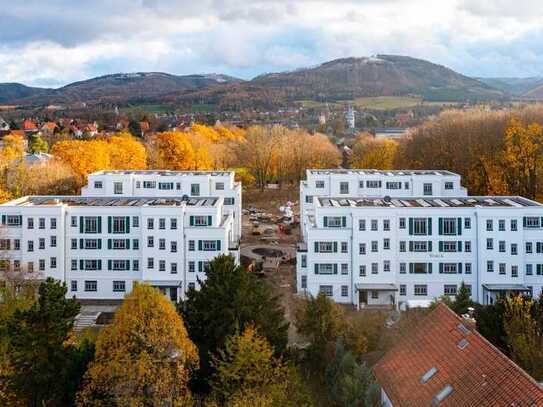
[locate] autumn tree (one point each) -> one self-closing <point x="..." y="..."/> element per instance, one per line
<point x="368" y="152"/>
<point x="171" y="150"/>
<point x="52" y="177"/>
<point x="143" y="358"/>
<point x="126" y="152"/>
<point x="13" y="149"/>
<point x="37" y="145"/>
<point x="84" y="157"/>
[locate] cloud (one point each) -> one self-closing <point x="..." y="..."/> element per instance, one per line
<point x="54" y="42"/>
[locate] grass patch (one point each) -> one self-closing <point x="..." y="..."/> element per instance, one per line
<point x="151" y="108"/>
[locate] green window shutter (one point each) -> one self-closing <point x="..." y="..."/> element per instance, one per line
<point x="459" y="268"/>
<point x="81" y="243"/>
<point x="21" y="220"/>
<point x="127" y="264"/>
<point x="429" y="245"/>
<point x="200" y="266"/>
<point x="218" y="245"/>
<point x="99" y="243"/>
<point x="99" y="264"/>
<point x="440" y="246"/>
<point x="109" y="264"/>
<point x="109" y="244"/>
<point x="524" y="221"/>
<point x="429" y="268"/>
<point x="538" y="268"/>
<point x="440" y="226"/>
<point x="325" y="220"/>
<point x="429" y="226"/>
<point x="459" y="246"/>
<point x="127" y="224"/>
<point x="410" y="246"/>
<point x="109" y="224"/>
<point x="200" y="245"/>
<point x="317" y="268"/>
<point x="440" y="268"/>
<point x="541" y="222"/>
<point x="81" y="224"/>
<point x="127" y="244"/>
<point x="411" y="268"/>
<point x="316" y="247"/>
<point x="209" y="221"/>
<point x="344" y="221"/>
<point x="81" y="265"/>
<point x="3" y="219"/>
<point x="459" y="229"/>
<point x="335" y="247"/>
<point x="410" y="226"/>
<point x="99" y="224"/>
<point x="191" y="220"/>
<point x="335" y="268"/>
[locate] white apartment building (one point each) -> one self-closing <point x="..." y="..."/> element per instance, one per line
<point x="387" y="251"/>
<point x="161" y="183"/>
<point x="375" y="183"/>
<point x="100" y="245"/>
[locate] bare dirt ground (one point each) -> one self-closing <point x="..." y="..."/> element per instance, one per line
<point x="284" y="279"/>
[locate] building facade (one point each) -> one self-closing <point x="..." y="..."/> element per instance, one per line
<point x="100" y="245"/>
<point x="159" y="183"/>
<point x="389" y="251"/>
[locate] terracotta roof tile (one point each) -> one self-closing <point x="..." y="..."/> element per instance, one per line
<point x="479" y="374"/>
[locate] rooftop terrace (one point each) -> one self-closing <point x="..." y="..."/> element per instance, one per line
<point x="162" y="173"/>
<point x="390" y="173"/>
<point x="110" y="201"/>
<point x="430" y="202"/>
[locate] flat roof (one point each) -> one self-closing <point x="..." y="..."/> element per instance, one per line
<point x="430" y="202"/>
<point x="390" y="173"/>
<point x="111" y="201"/>
<point x="161" y="173"/>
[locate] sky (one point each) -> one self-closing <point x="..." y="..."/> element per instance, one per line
<point x="54" y="42"/>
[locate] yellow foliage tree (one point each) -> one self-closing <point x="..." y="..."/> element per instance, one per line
<point x="126" y="153"/>
<point x="143" y="358"/>
<point x="375" y="154"/>
<point x="4" y="195"/>
<point x="13" y="149"/>
<point x="206" y="131"/>
<point x="84" y="157"/>
<point x="52" y="177"/>
<point x="171" y="150"/>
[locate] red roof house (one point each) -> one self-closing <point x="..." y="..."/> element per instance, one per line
<point x="443" y="361"/>
<point x="29" y="125"/>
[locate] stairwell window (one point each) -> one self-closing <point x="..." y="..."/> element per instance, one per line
<point x="118" y="188"/>
<point x="427" y="189"/>
<point x="362" y="270"/>
<point x="343" y="187"/>
<point x="319" y="184"/>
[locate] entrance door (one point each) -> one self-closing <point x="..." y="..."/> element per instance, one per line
<point x="173" y="294"/>
<point x="363" y="297"/>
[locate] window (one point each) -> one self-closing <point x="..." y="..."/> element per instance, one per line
<point x="93" y="244"/>
<point x="309" y="199"/>
<point x="41" y="223"/>
<point x="219" y="186"/>
<point x="30" y="267"/>
<point x="192" y="267"/>
<point x="375" y="295"/>
<point x="489" y="225"/>
<point x="403" y="268"/>
<point x="419" y="246"/>
<point x="333" y="221"/>
<point x="191" y="245"/>
<point x="386" y="225"/>
<point x="501" y="246"/>
<point x="90" y="224"/>
<point x="449" y="226"/>
<point x="343" y="187"/>
<point x="150" y="263"/>
<point x="173" y="223"/>
<point x="344" y="247"/>
<point x="304" y="282"/>
<point x="209" y="245"/>
<point x="373" y="184"/>
<point x="319" y="184"/>
<point x="119" y="286"/>
<point x="420" y="289"/>
<point x="135" y="265"/>
<point x="374" y="268"/>
<point x="449" y="268"/>
<point x="514" y="271"/>
<point x="165" y="186"/>
<point x="467" y="246"/>
<point x="514" y="249"/>
<point x="362" y="270"/>
<point x="513" y="225"/>
<point x="119" y="224"/>
<point x="73" y="264"/>
<point x="344" y="290"/>
<point x="173" y="247"/>
<point x="362" y="224"/>
<point x="135" y="244"/>
<point x="91" y="265"/>
<point x="16" y="244"/>
<point x="403" y="290"/>
<point x="53" y="262"/>
<point x="427" y="189"/>
<point x="192" y="286"/>
<point x="374" y="246"/>
<point x="467" y="223"/>
<point x="73" y="285"/>
<point x="229" y="201"/>
<point x="449" y="185"/>
<point x="91" y="285"/>
<point x="135" y="222"/>
<point x="531" y="222"/>
<point x="467" y="268"/>
<point x="120" y="265"/>
<point x="5" y="244"/>
<point x="150" y="241"/>
<point x="177" y="185"/>
<point x="386" y="266"/>
<point x="149" y="184"/>
<point x="402" y="246"/>
<point x="98" y="184"/>
<point x="344" y="268"/>
<point x="161" y="265"/>
<point x="13" y="220"/>
<point x="162" y="223"/>
<point x="489" y="244"/>
<point x="117" y="244"/>
<point x="53" y="241"/>
<point x="419" y="226"/>
<point x="490" y="266"/>
<point x="393" y="185"/>
<point x="406" y="185"/>
<point x="501" y="225"/>
<point x="325" y="268"/>
<point x="386" y="244"/>
<point x="41" y="243"/>
<point x="419" y="268"/>
<point x="529" y="247"/>
<point x="30" y="223"/>
<point x="374" y="225"/>
<point x="326" y="290"/>
<point x="53" y="223"/>
<point x="138" y="184"/>
<point x="501" y="268"/>
<point x="161" y="244"/>
<point x="150" y="223"/>
<point x="304" y="260"/>
<point x="201" y="221"/>
<point x="30" y="246"/>
<point x="449" y="246"/>
<point x="74" y="221"/>
<point x="449" y="289"/>
<point x="117" y="188"/>
<point x="402" y="223"/>
<point x="195" y="189"/>
<point x="529" y="270"/>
